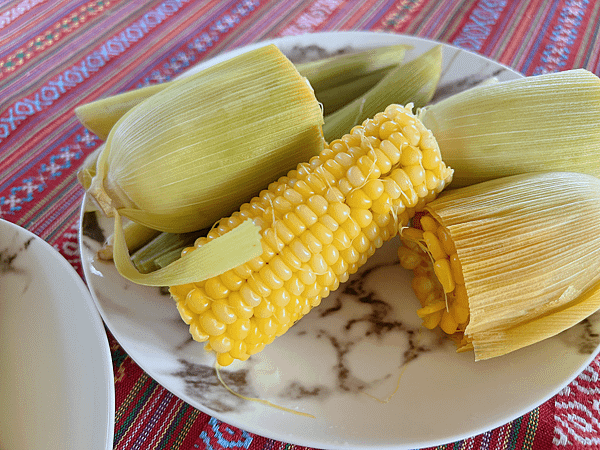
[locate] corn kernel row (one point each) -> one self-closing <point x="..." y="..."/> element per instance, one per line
<point x="319" y="224"/>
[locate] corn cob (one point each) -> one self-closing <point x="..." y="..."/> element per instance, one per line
<point x="319" y="224"/>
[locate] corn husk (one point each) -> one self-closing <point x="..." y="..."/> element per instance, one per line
<point x="529" y="246"/>
<point x="336" y="80"/>
<point x="192" y="153"/>
<point x="327" y="73"/>
<point x="414" y="82"/>
<point x="101" y="115"/>
<point x="541" y="123"/>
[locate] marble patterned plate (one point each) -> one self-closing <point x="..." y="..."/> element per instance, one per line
<point x="360" y="363"/>
<point x="56" y="377"/>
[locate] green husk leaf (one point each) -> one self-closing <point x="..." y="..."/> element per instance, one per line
<point x="146" y="258"/>
<point x="334" y="98"/>
<point x="330" y="72"/>
<point x="136" y="236"/>
<point x="547" y="122"/>
<point x="414" y="82"/>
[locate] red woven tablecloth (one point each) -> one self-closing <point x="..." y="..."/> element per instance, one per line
<point x="55" y="55"/>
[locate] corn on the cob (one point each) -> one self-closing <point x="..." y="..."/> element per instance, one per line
<point x="509" y="262"/>
<point x="319" y="224"/>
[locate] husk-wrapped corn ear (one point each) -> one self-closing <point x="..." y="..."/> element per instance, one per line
<point x="509" y="262"/>
<point x="191" y="153"/>
<point x="518" y="126"/>
<point x="319" y="224"/>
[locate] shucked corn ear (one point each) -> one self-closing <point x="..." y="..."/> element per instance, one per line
<point x="319" y="224"/>
<point x="328" y="76"/>
<point x="193" y="152"/>
<point x="506" y="263"/>
<point x="548" y="122"/>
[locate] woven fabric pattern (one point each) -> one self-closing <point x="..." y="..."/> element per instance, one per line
<point x="56" y="55"/>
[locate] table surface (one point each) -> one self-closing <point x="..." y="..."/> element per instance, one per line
<point x="56" y="55"/>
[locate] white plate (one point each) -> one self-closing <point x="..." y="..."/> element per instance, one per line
<point x="362" y="342"/>
<point x="56" y="377"/>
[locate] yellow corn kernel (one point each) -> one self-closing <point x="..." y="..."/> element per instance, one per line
<point x="402" y="179"/>
<point x="412" y="235"/>
<point x="317" y="204"/>
<point x="223" y="312"/>
<point x="428" y="223"/>
<point x="238" y="350"/>
<point x="435" y="247"/>
<point x="411" y="156"/>
<point x="362" y="217"/>
<point x="231" y="280"/>
<point x="368" y="168"/>
<point x="250" y="297"/>
<point x="211" y="324"/>
<point x="383" y="205"/>
<point x="444" y="274"/>
<point x="341" y="240"/>
<point x="408" y="258"/>
<point x="387" y="128"/>
<point x="432" y="308"/>
<point x="359" y="199"/>
<point x="459" y="313"/>
<point x="215" y="289"/>
<point x="391" y="151"/>
<point x="198" y="334"/>
<point x="447" y="323"/>
<point x="456" y="269"/>
<point x="241" y="308"/>
<point x="319" y="224"/>
<point x="294" y="285"/>
<point x="264" y="309"/>
<point x="300" y="250"/>
<point x="351" y="228"/>
<point x="447" y="244"/>
<point x="338" y="211"/>
<point x="384" y="164"/>
<point x="224" y="359"/>
<point x="311" y="242"/>
<point x="416" y="173"/>
<point x="197" y="301"/>
<point x="433" y="320"/>
<point x="186" y="314"/>
<point x="422" y="286"/>
<point x="306" y="215"/>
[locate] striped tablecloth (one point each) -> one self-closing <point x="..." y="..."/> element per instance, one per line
<point x="55" y="55"/>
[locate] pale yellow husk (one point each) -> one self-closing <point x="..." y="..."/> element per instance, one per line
<point x="192" y="153"/>
<point x="548" y="122"/>
<point x="529" y="246"/>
